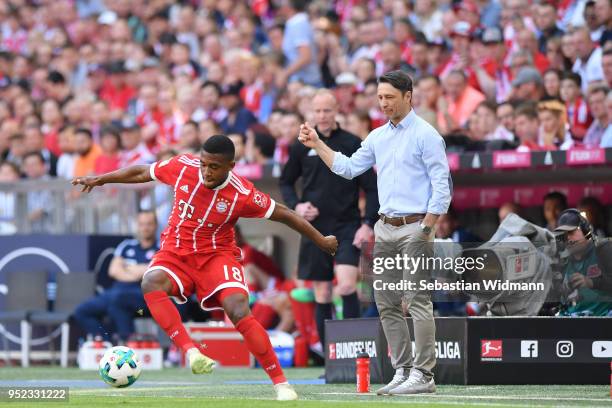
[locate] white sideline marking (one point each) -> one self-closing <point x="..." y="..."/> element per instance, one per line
<point x="499" y="397"/>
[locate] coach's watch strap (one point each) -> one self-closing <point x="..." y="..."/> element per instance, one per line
<point x="425" y="228"/>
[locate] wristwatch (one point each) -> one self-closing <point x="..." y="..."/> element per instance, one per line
<point x="425" y="228"/>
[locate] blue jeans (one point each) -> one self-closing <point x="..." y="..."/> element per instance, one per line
<point x="119" y="303"/>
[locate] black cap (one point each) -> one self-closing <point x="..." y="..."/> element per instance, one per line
<point x="56" y="77"/>
<point x="492" y="35"/>
<point x="167" y="38"/>
<point x="568" y="221"/>
<point x="116" y="67"/>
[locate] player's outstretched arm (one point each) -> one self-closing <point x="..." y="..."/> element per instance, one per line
<point x="132" y="174"/>
<point x="288" y="217"/>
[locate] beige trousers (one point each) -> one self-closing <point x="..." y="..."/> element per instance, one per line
<point x="408" y="240"/>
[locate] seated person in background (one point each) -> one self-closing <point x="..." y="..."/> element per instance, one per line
<point x="124" y="299"/>
<point x="508" y="208"/>
<point x="452" y="303"/>
<point x="596" y="214"/>
<point x="505" y="117"/>
<point x="578" y="115"/>
<point x="527" y="127"/>
<point x="554" y="203"/>
<point x="553" y="126"/>
<point x="449" y="228"/>
<point x="268" y="288"/>
<point x="586" y="273"/>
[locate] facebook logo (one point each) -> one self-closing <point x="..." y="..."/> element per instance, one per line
<point x="529" y="348"/>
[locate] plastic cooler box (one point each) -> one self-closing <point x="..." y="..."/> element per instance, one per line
<point x="284" y="347"/>
<point x="225" y="345"/>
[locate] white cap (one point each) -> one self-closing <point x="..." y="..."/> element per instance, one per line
<point x="107" y="17"/>
<point x="346" y="78"/>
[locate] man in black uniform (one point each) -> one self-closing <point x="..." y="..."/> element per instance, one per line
<point x="330" y="203"/>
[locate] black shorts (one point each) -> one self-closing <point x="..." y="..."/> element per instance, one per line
<point x="314" y="264"/>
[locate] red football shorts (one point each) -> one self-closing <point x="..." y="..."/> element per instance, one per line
<point x="210" y="276"/>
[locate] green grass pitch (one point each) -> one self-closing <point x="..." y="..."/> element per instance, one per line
<point x="245" y="388"/>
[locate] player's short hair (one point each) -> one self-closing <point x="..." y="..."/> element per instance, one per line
<point x="220" y="144"/>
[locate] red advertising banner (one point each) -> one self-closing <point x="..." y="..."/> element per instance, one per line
<point x="453" y="161"/>
<point x="511" y="159"/>
<point x="527" y="195"/>
<point x="576" y="157"/>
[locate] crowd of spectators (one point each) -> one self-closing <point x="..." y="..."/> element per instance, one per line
<point x="93" y="85"/>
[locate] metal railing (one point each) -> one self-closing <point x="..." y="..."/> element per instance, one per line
<point x="106" y="210"/>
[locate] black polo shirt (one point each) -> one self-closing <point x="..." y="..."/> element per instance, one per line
<point x="335" y="197"/>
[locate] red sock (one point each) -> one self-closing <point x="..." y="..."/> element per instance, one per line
<point x="258" y="343"/>
<point x="168" y="318"/>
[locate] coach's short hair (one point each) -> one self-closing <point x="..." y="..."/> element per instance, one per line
<point x="220" y="144"/>
<point x="397" y="79"/>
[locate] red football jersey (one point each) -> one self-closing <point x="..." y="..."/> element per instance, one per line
<point x="202" y="219"/>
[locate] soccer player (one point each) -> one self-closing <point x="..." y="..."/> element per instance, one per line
<point x="198" y="251"/>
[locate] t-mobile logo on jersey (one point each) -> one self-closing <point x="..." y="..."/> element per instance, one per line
<point x="186" y="209"/>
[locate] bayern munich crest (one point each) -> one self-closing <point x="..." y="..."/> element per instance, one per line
<point x="221" y="206"/>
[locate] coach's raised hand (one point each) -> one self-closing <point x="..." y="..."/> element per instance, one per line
<point x="308" y="136"/>
<point x="88" y="182"/>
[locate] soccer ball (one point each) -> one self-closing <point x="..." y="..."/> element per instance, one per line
<point x="119" y="367"/>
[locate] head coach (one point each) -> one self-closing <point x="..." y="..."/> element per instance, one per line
<point x="414" y="188"/>
<point x="330" y="203"/>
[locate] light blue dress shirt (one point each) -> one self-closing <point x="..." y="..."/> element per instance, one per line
<point x="413" y="173"/>
<point x="299" y="32"/>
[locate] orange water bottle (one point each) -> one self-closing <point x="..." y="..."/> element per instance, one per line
<point x="363" y="372"/>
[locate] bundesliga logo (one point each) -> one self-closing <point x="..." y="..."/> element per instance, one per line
<point x="332" y="351"/>
<point x="491" y="350"/>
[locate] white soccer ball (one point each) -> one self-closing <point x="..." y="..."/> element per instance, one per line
<point x="119" y="367"/>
